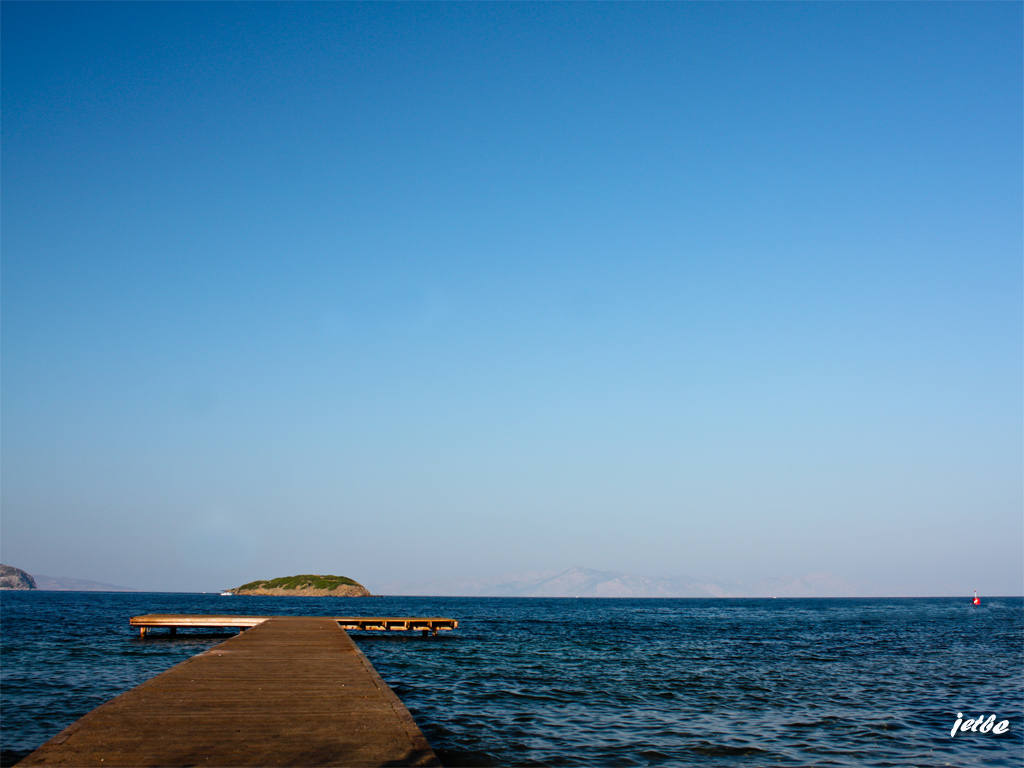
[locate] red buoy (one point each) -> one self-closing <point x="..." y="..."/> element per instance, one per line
<point x="976" y="600"/>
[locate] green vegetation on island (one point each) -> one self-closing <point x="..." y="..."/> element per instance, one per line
<point x="305" y="581"/>
<point x="304" y="584"/>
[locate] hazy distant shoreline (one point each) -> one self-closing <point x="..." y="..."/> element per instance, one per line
<point x="578" y="582"/>
<point x="587" y="582"/>
<point x="65" y="584"/>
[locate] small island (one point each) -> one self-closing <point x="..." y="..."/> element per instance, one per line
<point x="306" y="585"/>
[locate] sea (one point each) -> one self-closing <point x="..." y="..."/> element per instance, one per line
<point x="592" y="682"/>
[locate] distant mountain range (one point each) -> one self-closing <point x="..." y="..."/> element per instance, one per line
<point x="64" y="584"/>
<point x="586" y="582"/>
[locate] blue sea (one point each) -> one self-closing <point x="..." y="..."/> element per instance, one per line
<point x="601" y="682"/>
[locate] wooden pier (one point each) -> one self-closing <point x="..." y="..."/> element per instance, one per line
<point x="174" y="622"/>
<point x="289" y="691"/>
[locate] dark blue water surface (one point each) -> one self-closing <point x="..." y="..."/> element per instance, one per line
<point x="618" y="682"/>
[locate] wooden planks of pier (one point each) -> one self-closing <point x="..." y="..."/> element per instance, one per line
<point x="290" y="691"/>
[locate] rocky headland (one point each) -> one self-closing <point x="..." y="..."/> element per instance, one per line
<point x="306" y="585"/>
<point x="15" y="578"/>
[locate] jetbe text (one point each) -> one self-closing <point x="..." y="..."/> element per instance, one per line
<point x="982" y="723"/>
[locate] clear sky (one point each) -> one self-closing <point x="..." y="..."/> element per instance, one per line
<point x="404" y="291"/>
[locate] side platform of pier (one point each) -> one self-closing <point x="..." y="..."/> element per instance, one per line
<point x="290" y="691"/>
<point x="174" y="622"/>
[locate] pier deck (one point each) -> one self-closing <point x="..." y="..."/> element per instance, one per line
<point x="292" y="691"/>
<point x="175" y="621"/>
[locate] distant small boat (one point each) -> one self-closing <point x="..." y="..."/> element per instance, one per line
<point x="226" y="593"/>
<point x="976" y="600"/>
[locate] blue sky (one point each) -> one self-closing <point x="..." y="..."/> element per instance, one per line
<point x="442" y="290"/>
